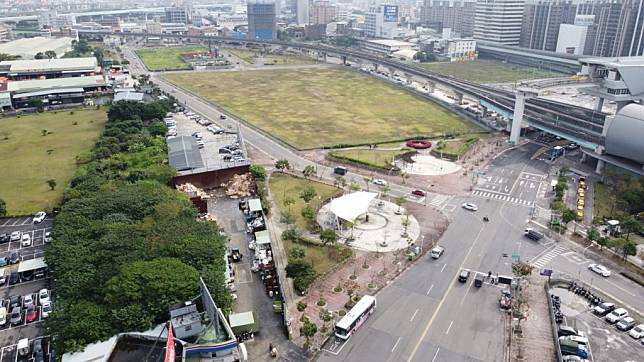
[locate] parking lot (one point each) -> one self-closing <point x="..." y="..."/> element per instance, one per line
<point x="607" y="343"/>
<point x="10" y="353"/>
<point x="213" y="138"/>
<point x="26" y="285"/>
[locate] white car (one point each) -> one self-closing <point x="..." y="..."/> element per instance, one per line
<point x="26" y="240"/>
<point x="637" y="332"/>
<point x="48" y="237"/>
<point x="617" y="315"/>
<point x="39" y="217"/>
<point x="469" y="206"/>
<point x="599" y="269"/>
<point x="16" y="236"/>
<point x="46" y="309"/>
<point x="27" y="301"/>
<point x="379" y="182"/>
<point x="43" y="296"/>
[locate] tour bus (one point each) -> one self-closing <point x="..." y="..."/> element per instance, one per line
<point x="356" y="316"/>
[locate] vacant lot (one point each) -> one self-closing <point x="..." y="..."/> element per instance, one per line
<point x="489" y="71"/>
<point x="28" y="159"/>
<point x="167" y="58"/>
<point x="310" y="108"/>
<point x="284" y="187"/>
<point x="252" y="57"/>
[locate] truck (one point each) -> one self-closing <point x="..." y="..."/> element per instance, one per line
<point x="569" y="347"/>
<point x="340" y="170"/>
<point x="530" y="233"/>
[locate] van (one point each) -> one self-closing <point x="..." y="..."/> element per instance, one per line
<point x="23" y="347"/>
<point x="340" y="170"/>
<point x="3" y="276"/>
<point x="437" y="252"/>
<point x="530" y="233"/>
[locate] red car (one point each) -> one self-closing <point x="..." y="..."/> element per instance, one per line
<point x="420" y="193"/>
<point x="31" y="315"/>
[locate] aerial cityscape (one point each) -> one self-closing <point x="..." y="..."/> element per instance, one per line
<point x="321" y="180"/>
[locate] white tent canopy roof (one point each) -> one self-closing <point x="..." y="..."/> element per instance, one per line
<point x="349" y="207"/>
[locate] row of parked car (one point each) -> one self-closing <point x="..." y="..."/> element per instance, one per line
<point x="620" y="318"/>
<point x="23" y="237"/>
<point x="26" y="308"/>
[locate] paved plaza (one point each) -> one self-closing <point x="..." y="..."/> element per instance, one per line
<point x="427" y="165"/>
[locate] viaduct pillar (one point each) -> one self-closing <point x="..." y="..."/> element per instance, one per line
<point x="458" y="98"/>
<point x="519" y="107"/>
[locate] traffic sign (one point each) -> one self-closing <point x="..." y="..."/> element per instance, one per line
<point x="546" y="272"/>
<point x="516" y="257"/>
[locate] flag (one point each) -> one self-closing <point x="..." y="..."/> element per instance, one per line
<point x="169" y="345"/>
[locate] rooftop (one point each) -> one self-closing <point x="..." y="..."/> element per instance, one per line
<point x="55" y="83"/>
<point x="615" y="62"/>
<point x="390" y="42"/>
<point x="49" y="65"/>
<point x="183" y="153"/>
<point x="28" y="47"/>
<point x="129" y="96"/>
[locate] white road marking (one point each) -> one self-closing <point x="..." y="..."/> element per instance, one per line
<point x="413" y="316"/>
<point x="436" y="354"/>
<point x="396" y="345"/>
<point x="443" y="268"/>
<point x="430" y="289"/>
<point x="450" y="327"/>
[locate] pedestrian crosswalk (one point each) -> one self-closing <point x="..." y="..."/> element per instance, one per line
<point x="438" y="200"/>
<point x="494" y="195"/>
<point x="544" y="259"/>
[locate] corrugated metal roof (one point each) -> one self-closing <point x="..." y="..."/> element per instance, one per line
<point x="55" y="83"/>
<point x="183" y="153"/>
<point x="46" y="92"/>
<point x="48" y="65"/>
<point x="28" y="47"/>
<point x="128" y="96"/>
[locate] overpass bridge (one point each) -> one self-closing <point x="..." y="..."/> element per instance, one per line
<point x="580" y="125"/>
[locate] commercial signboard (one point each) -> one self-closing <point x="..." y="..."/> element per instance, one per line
<point x="390" y="13"/>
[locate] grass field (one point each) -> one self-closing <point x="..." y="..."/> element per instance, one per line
<point x="457" y="147"/>
<point x="250" y="56"/>
<point x="28" y="159"/>
<point x="310" y="108"/>
<point x="377" y="158"/>
<point x="167" y="58"/>
<point x="489" y="71"/>
<point x="284" y="186"/>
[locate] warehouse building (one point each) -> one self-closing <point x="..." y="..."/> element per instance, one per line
<point x="27" y="48"/>
<point x="52" y="92"/>
<point x="17" y="70"/>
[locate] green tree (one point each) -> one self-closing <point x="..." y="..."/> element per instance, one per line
<point x="50" y="54"/>
<point x="631" y="225"/>
<point x="288" y="201"/>
<point x="340" y="181"/>
<point x="5" y="57"/>
<point x="3" y="208"/>
<point x="629" y="248"/>
<point x="52" y="184"/>
<point x="142" y="291"/>
<point x="297" y="252"/>
<point x="308" y="194"/>
<point x="308" y="213"/>
<point x="602" y="241"/>
<point x="328" y="236"/>
<point x="568" y="215"/>
<point x="308" y="171"/>
<point x="40" y="55"/>
<point x="77" y="324"/>
<point x="282" y="165"/>
<point x="308" y="330"/>
<point x="302" y="273"/>
<point x="258" y="172"/>
<point x="37" y="103"/>
<point x="400" y="201"/>
<point x="354" y="187"/>
<point x="593" y="234"/>
<point x="385" y="191"/>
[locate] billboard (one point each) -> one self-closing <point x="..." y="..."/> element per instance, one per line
<point x="390" y="13"/>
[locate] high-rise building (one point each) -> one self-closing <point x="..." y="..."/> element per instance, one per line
<point x="323" y="12"/>
<point x="457" y="15"/>
<point x="498" y="21"/>
<point x="541" y="21"/>
<point x="177" y="15"/>
<point x="618" y="28"/>
<point x="261" y="19"/>
<point x="302" y="11"/>
<point x="381" y="21"/>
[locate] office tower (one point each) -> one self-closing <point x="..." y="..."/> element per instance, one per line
<point x="323" y="12"/>
<point x="542" y="20"/>
<point x="498" y="21"/>
<point x="457" y="15"/>
<point x="261" y="19"/>
<point x="177" y="15"/>
<point x="302" y="11"/>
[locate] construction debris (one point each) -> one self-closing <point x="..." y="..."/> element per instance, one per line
<point x="239" y="186"/>
<point x="208" y="217"/>
<point x="193" y="191"/>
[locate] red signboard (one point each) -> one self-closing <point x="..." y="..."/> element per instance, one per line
<point x="169" y="346"/>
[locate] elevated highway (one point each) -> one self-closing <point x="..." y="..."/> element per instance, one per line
<point x="578" y="124"/>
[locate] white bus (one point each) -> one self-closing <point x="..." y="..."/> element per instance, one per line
<point x="356" y="316"/>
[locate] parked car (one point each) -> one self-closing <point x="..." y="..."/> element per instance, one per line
<point x="437" y="252"/>
<point x="599" y="269"/>
<point x="48" y="237"/>
<point x="530" y="233"/>
<point x="4" y="238"/>
<point x="637" y="332"/>
<point x="16" y="235"/>
<point x="625" y="324"/>
<point x="14" y="258"/>
<point x="603" y="309"/>
<point x="470" y="206"/>
<point x="462" y="277"/>
<point x="39" y="217"/>
<point x="14" y="301"/>
<point x="379" y="182"/>
<point x="46" y="309"/>
<point x="27" y="300"/>
<point x="38" y="353"/>
<point x="14" y="278"/>
<point x="31" y="314"/>
<point x="616" y="315"/>
<point x="3" y="316"/>
<point x="201" y="144"/>
<point x="578" y="339"/>
<point x="26" y="240"/>
<point x="419" y="193"/>
<point x="3" y="261"/>
<point x="568" y="331"/>
<point x="197" y="135"/>
<point x="222" y="116"/>
<point x="16" y="316"/>
<point x="43" y="296"/>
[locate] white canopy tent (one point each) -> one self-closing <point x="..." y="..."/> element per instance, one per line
<point x="349" y="207"/>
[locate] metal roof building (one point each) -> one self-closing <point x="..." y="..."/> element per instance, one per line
<point x="183" y="153"/>
<point x="36" y="85"/>
<point x="129" y="96"/>
<point x="27" y="48"/>
<point x="43" y="67"/>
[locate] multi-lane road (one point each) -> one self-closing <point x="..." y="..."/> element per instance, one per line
<point x="426" y="314"/>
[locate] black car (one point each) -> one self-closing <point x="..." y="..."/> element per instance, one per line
<point x="4" y="238"/>
<point x="14" y="258"/>
<point x="463" y="276"/>
<point x="14" y="301"/>
<point x="567" y="331"/>
<point x="14" y="278"/>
